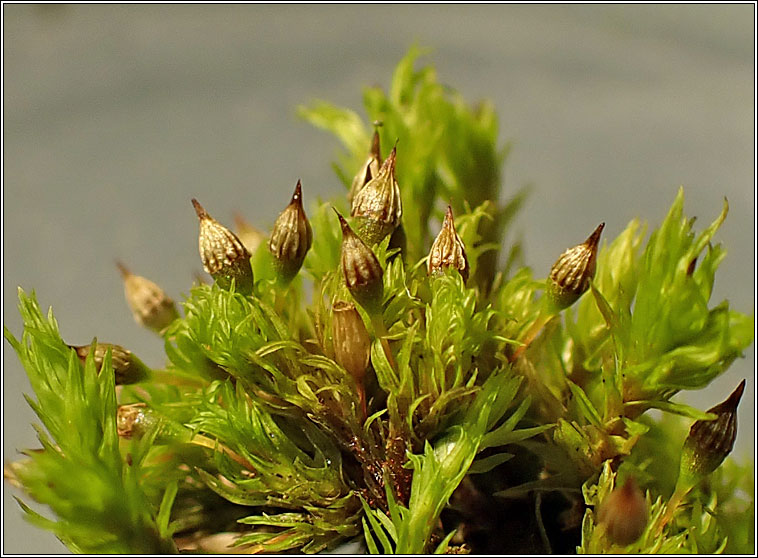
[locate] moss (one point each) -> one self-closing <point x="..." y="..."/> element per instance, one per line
<point x="487" y="419"/>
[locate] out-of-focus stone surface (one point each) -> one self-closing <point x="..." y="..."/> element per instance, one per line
<point x="115" y="116"/>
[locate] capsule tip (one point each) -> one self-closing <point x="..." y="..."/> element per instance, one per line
<point x="736" y="396"/>
<point x="594" y="238"/>
<point x="123" y="270"/>
<point x="199" y="209"/>
<point x="449" y="214"/>
<point x="343" y="224"/>
<point x="297" y="197"/>
<point x="393" y="154"/>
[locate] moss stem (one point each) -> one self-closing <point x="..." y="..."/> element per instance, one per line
<point x="381" y="333"/>
<point x="532" y="333"/>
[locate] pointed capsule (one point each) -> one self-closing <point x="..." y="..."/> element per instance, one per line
<point x="448" y="250"/>
<point x="250" y="236"/>
<point x="710" y="441"/>
<point x="223" y="255"/>
<point x="377" y="207"/>
<point x="571" y="274"/>
<point x="624" y="514"/>
<point x="291" y="237"/>
<point x="369" y="170"/>
<point x="127" y="368"/>
<point x="361" y="269"/>
<point x="352" y="345"/>
<point x="149" y="303"/>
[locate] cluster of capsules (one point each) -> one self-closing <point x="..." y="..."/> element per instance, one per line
<point x="376" y="211"/>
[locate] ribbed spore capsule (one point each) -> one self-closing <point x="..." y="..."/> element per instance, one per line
<point x="710" y="441"/>
<point x="624" y="514"/>
<point x="448" y="249"/>
<point x="127" y="368"/>
<point x="223" y="255"/>
<point x="377" y="207"/>
<point x="150" y="304"/>
<point x="352" y="345"/>
<point x="291" y="237"/>
<point x="369" y="169"/>
<point x="571" y="274"/>
<point x="361" y="269"/>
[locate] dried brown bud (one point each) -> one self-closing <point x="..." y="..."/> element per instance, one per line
<point x="369" y="170"/>
<point x="691" y="267"/>
<point x="448" y="250"/>
<point x="362" y="271"/>
<point x="377" y="207"/>
<point x="291" y="237"/>
<point x="249" y="235"/>
<point x="137" y="419"/>
<point x="133" y="420"/>
<point x="223" y="254"/>
<point x="571" y="274"/>
<point x="13" y="470"/>
<point x="624" y="514"/>
<point x="149" y="303"/>
<point x="352" y="345"/>
<point x="127" y="368"/>
<point x="710" y="441"/>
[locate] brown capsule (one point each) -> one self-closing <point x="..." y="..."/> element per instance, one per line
<point x="352" y="345"/>
<point x="291" y="237"/>
<point x="127" y="368"/>
<point x="223" y="255"/>
<point x="133" y="420"/>
<point x="369" y="170"/>
<point x="150" y="305"/>
<point x="571" y="274"/>
<point x="624" y="514"/>
<point x="137" y="419"/>
<point x="250" y="236"/>
<point x="710" y="441"/>
<point x="448" y="250"/>
<point x="378" y="207"/>
<point x="361" y="269"/>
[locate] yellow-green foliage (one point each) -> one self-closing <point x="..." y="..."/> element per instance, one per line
<point x="254" y="435"/>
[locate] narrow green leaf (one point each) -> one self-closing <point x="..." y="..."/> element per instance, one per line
<point x="554" y="483"/>
<point x="681" y="409"/>
<point x="387" y="524"/>
<point x="445" y="543"/>
<point x="486" y="464"/>
<point x="499" y="436"/>
<point x="370" y="542"/>
<point x="372" y="418"/>
<point x="587" y="409"/>
<point x="376" y="527"/>
<point x="521" y="434"/>
<point x="164" y="512"/>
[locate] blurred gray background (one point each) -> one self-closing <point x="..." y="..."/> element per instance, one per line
<point x="115" y="116"/>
